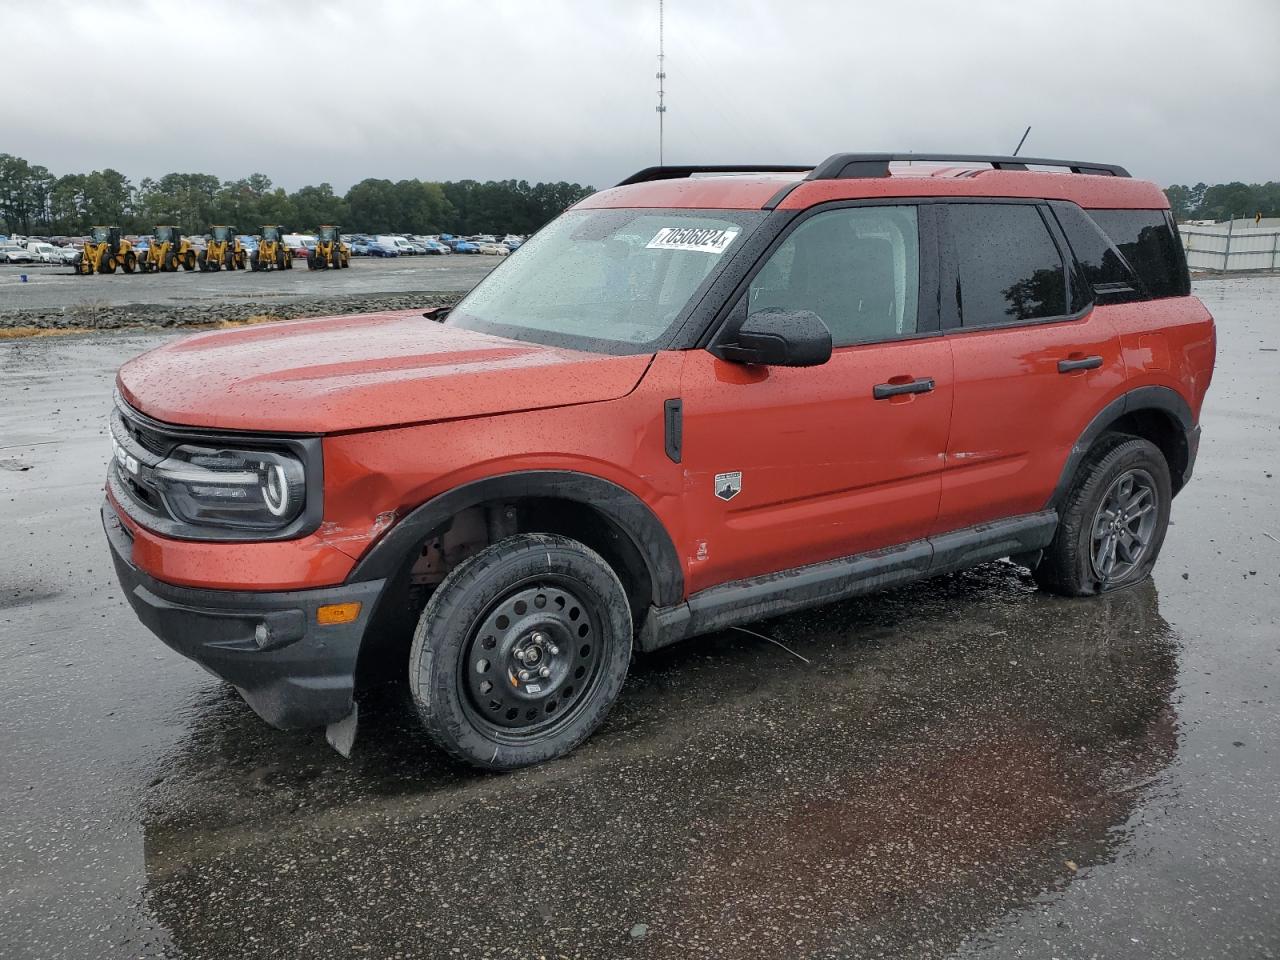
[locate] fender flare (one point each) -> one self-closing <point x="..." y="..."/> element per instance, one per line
<point x="1162" y="399"/>
<point x="620" y="505"/>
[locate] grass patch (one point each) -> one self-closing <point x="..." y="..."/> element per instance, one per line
<point x="18" y="333"/>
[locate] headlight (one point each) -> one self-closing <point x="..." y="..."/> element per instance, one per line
<point x="241" y="489"/>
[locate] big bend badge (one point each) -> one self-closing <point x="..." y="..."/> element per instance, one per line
<point x="728" y="485"/>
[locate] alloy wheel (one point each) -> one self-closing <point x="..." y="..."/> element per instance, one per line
<point x="1123" y="526"/>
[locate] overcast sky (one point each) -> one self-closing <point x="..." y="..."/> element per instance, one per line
<point x="313" y="91"/>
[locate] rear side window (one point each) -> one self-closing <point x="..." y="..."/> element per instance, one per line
<point x="1149" y="241"/>
<point x="1010" y="270"/>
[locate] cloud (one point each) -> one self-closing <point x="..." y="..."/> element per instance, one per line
<point x="336" y="92"/>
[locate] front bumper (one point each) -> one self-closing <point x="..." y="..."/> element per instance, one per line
<point x="292" y="671"/>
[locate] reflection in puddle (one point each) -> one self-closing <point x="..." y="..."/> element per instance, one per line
<point x="954" y="750"/>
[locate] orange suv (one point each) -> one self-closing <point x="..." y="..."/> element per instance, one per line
<point x="706" y="396"/>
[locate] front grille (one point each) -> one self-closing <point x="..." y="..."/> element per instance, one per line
<point x="142" y="447"/>
<point x="149" y="439"/>
<point x="145" y="496"/>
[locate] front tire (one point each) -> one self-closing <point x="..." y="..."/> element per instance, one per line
<point x="1113" y="519"/>
<point x="521" y="652"/>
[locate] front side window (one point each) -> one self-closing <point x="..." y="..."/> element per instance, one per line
<point x="856" y="268"/>
<point x="609" y="280"/>
<point x="1010" y="270"/>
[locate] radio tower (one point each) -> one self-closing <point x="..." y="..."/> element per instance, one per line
<point x="662" y="78"/>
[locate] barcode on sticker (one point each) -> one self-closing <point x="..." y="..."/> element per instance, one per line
<point x="702" y="239"/>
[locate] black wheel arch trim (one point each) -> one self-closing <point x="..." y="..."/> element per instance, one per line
<point x="1162" y="399"/>
<point x="618" y="504"/>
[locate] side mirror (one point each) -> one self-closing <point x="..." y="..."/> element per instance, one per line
<point x="779" y="338"/>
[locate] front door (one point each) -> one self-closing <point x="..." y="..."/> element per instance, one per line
<point x="785" y="467"/>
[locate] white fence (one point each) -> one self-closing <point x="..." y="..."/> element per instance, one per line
<point x="1227" y="247"/>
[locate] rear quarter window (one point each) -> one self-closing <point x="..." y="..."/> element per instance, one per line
<point x="1148" y="239"/>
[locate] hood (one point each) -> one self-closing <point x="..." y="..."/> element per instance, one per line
<point x="359" y="372"/>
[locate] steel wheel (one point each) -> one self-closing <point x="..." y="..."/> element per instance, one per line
<point x="530" y="661"/>
<point x="521" y="651"/>
<point x="1123" y="525"/>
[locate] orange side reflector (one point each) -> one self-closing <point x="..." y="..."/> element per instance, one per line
<point x="333" y="613"/>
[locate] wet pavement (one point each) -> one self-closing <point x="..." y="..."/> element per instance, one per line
<point x="965" y="767"/>
<point x="56" y="288"/>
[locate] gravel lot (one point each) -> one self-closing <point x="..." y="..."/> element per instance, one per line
<point x="53" y="297"/>
<point x="964" y="767"/>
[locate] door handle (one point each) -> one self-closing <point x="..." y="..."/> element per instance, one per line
<point x="883" y="391"/>
<point x="1083" y="363"/>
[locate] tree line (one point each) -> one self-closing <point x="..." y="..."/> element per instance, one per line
<point x="1224" y="201"/>
<point x="34" y="201"/>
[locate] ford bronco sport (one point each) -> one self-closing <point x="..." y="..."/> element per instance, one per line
<point x="706" y="396"/>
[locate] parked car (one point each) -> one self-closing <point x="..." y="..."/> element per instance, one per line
<point x="300" y="244"/>
<point x="458" y="245"/>
<point x="44" y="252"/>
<point x="379" y="248"/>
<point x="70" y="254"/>
<point x="13" y="253"/>
<point x="359" y="248"/>
<point x="660" y="421"/>
<point x="512" y="243"/>
<point x="436" y="247"/>
<point x="491" y="248"/>
<point x="419" y="248"/>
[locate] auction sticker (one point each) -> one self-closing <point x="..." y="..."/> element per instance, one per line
<point x="701" y="239"/>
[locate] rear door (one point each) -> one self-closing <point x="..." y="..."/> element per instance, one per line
<point x="785" y="467"/>
<point x="1034" y="362"/>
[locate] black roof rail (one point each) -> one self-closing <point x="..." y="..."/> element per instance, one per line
<point x="847" y="166"/>
<point x="682" y="172"/>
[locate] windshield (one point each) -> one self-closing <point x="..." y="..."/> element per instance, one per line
<point x="607" y="280"/>
<point x="100" y="234"/>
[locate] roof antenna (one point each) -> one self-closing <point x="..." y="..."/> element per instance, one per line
<point x="1022" y="141"/>
<point x="662" y="77"/>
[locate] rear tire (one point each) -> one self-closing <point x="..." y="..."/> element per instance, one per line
<point x="542" y="604"/>
<point x="130" y="262"/>
<point x="1113" y="520"/>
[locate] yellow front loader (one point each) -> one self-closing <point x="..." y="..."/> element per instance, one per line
<point x="167" y="251"/>
<point x="104" y="251"/>
<point x="272" y="251"/>
<point x="330" y="251"/>
<point x="223" y="250"/>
